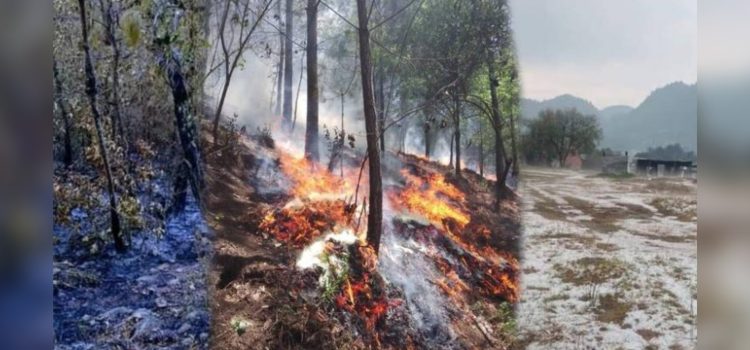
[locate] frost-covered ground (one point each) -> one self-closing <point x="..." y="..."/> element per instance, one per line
<point x="608" y="263"/>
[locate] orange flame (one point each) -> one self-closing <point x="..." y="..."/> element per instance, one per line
<point x="313" y="179"/>
<point x="300" y="225"/>
<point x="431" y="199"/>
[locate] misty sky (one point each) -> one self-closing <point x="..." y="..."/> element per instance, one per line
<point x="608" y="52"/>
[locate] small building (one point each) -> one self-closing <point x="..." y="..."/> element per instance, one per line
<point x="661" y="167"/>
<point x="615" y="165"/>
<point x="574" y="161"/>
<point x="611" y="163"/>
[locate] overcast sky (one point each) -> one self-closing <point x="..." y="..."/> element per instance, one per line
<point x="608" y="52"/>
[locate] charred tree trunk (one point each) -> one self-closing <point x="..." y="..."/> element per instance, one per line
<point x="311" y="133"/>
<point x="186" y="129"/>
<point x="67" y="143"/>
<point x="280" y="65"/>
<point x="375" y="218"/>
<point x="288" y="69"/>
<point x="91" y="92"/>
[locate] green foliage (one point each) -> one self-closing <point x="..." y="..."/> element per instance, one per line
<point x="336" y="274"/>
<point x="556" y="134"/>
<point x="131" y="29"/>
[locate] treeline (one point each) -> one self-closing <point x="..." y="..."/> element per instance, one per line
<point x="128" y="82"/>
<point x="445" y="68"/>
<point x="556" y="134"/>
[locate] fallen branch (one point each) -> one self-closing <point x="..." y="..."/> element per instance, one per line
<point x="359" y="179"/>
<point x="481" y="330"/>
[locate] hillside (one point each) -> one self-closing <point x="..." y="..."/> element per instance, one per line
<point x="668" y="115"/>
<point x="531" y="108"/>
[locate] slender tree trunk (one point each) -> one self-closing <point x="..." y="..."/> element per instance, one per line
<point x="280" y="65"/>
<point x="457" y="117"/>
<point x="110" y="23"/>
<point x="375" y="218"/>
<point x="117" y="115"/>
<point x="381" y="106"/>
<point x="299" y="88"/>
<point x="513" y="141"/>
<point x="561" y="158"/>
<point x="481" y="157"/>
<point x="227" y="71"/>
<point x="450" y="159"/>
<point x="311" y="132"/>
<point x="245" y="34"/>
<point x="91" y="92"/>
<point x="343" y="133"/>
<point x="288" y="69"/>
<point x="217" y="114"/>
<point x="427" y="140"/>
<point x="497" y="126"/>
<point x="67" y="144"/>
<point x="513" y="145"/>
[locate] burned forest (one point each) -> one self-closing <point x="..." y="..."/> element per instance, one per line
<point x="278" y="174"/>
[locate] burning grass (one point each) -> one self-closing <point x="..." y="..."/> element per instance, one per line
<point x="346" y="264"/>
<point x="300" y="222"/>
<point x="326" y="223"/>
<point x="467" y="271"/>
<point x="311" y="180"/>
<point x="431" y="197"/>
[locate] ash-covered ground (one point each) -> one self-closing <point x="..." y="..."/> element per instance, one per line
<point x="152" y="296"/>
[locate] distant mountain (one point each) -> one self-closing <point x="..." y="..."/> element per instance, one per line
<point x="614" y="111"/>
<point x="530" y="108"/>
<point x="669" y="115"/>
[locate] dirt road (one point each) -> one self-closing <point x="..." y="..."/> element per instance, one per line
<point x="608" y="263"/>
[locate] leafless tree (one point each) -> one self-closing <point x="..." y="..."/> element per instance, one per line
<point x="91" y="92"/>
<point x="239" y="20"/>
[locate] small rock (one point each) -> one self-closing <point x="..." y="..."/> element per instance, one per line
<point x="184" y="328"/>
<point x="187" y="342"/>
<point x="161" y="302"/>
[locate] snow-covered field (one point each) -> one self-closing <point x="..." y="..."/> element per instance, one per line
<point x="608" y="263"/>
